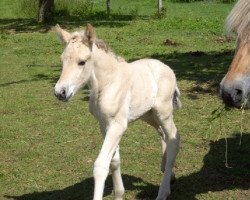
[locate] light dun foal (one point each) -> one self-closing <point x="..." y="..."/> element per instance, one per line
<point x="120" y="92"/>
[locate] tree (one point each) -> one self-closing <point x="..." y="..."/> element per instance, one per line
<point x="46" y="8"/>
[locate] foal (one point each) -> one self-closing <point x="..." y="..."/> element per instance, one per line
<point x="120" y="92"/>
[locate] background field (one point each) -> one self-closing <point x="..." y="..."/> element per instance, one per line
<point x="47" y="148"/>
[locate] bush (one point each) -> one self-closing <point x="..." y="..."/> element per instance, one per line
<point x="27" y="8"/>
<point x="79" y="8"/>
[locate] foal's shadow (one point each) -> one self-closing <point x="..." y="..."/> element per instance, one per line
<point x="84" y="190"/>
<point x="213" y="176"/>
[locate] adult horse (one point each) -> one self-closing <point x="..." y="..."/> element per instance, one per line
<point x="235" y="86"/>
<point x="120" y="92"/>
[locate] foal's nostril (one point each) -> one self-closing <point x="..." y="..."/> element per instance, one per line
<point x="62" y="94"/>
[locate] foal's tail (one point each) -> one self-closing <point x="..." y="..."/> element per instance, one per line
<point x="176" y="100"/>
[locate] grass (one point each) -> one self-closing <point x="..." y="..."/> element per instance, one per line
<point x="47" y="148"/>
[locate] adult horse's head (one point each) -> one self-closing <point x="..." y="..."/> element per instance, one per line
<point x="235" y="86"/>
<point x="76" y="64"/>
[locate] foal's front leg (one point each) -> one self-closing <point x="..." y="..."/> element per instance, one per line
<point x="101" y="167"/>
<point x="116" y="175"/>
<point x="115" y="169"/>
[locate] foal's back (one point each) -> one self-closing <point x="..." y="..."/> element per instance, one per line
<point x="152" y="73"/>
<point x="151" y="81"/>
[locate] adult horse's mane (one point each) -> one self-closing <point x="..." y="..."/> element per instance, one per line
<point x="238" y="19"/>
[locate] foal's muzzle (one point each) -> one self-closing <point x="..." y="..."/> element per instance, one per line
<point x="62" y="94"/>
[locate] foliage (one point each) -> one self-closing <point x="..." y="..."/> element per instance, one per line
<point x="79" y="8"/>
<point x="86" y="8"/>
<point x="27" y="8"/>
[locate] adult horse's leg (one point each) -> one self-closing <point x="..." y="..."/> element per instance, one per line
<point x="116" y="175"/>
<point x="101" y="167"/>
<point x="165" y="117"/>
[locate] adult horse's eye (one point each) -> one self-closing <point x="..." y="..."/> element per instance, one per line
<point x="81" y="63"/>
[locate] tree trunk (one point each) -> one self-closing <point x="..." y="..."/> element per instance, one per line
<point x="159" y="6"/>
<point x="108" y="7"/>
<point x="46" y="8"/>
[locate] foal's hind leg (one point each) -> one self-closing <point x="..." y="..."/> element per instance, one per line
<point x="164" y="153"/>
<point x="164" y="115"/>
<point x="116" y="175"/>
<point x="152" y="121"/>
<point x="163" y="147"/>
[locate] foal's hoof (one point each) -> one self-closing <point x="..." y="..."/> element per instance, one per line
<point x="173" y="179"/>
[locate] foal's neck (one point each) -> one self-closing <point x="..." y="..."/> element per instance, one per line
<point x="107" y="69"/>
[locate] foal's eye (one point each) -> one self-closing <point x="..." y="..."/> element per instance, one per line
<point x="81" y="63"/>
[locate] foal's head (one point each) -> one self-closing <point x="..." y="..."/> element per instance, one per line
<point x="76" y="64"/>
<point x="235" y="86"/>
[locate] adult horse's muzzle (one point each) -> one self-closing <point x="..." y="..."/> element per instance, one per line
<point x="236" y="94"/>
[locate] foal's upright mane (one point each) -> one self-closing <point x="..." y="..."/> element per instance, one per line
<point x="238" y="20"/>
<point x="98" y="42"/>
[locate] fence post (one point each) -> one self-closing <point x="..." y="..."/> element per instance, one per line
<point x="108" y="7"/>
<point x="159" y="6"/>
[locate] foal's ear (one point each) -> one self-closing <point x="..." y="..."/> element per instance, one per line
<point x="90" y="34"/>
<point x="63" y="35"/>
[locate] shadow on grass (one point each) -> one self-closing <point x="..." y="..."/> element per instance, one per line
<point x="212" y="177"/>
<point x="205" y="69"/>
<point x="67" y="21"/>
<point x="37" y="77"/>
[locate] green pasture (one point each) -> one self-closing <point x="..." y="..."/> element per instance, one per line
<point x="47" y="148"/>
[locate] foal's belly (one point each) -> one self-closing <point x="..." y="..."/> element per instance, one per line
<point x="141" y="99"/>
<point x="136" y="111"/>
